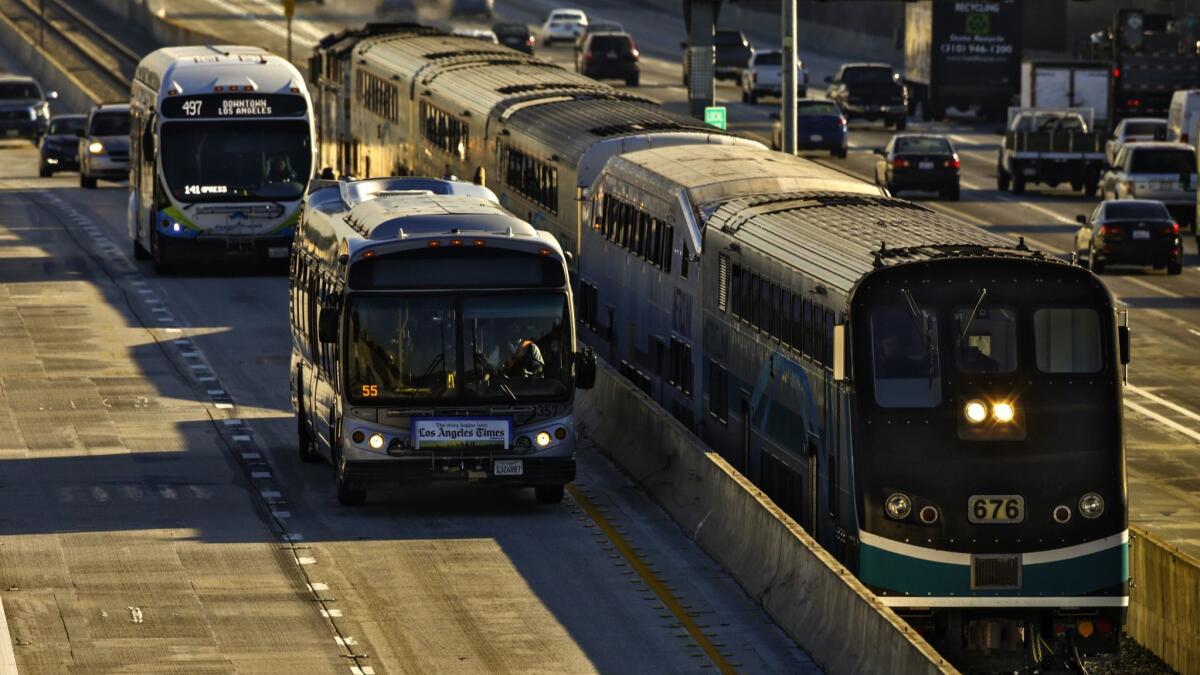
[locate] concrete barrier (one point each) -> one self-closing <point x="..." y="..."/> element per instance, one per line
<point x="806" y="591"/>
<point x="1164" y="602"/>
<point x="73" y="95"/>
<point x="150" y="15"/>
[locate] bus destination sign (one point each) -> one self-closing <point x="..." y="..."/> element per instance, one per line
<point x="231" y="106"/>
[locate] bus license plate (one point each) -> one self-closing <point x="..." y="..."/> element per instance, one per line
<point x="277" y="252"/>
<point x="508" y="467"/>
<point x="996" y="508"/>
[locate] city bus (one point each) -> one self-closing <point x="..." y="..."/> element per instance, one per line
<point x="433" y="339"/>
<point x="221" y="149"/>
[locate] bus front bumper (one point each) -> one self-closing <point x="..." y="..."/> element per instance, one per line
<point x="195" y="245"/>
<point x="427" y="470"/>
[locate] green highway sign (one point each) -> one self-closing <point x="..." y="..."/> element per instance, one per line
<point x="714" y="115"/>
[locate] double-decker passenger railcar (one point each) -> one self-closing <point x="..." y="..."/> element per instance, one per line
<point x="432" y="339"/>
<point x="405" y="99"/>
<point x="940" y="408"/>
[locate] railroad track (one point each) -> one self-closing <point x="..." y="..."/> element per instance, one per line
<point x="101" y="62"/>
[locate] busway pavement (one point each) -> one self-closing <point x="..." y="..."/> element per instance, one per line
<point x="152" y="507"/>
<point x="1163" y="401"/>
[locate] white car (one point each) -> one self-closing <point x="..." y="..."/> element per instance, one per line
<point x="478" y="34"/>
<point x="763" y="76"/>
<point x="1131" y="130"/>
<point x="563" y="25"/>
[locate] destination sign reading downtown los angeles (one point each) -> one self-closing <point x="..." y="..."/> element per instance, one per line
<point x="226" y="106"/>
<point x="460" y="431"/>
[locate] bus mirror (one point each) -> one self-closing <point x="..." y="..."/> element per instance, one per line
<point x="585" y="369"/>
<point x="327" y="325"/>
<point x="839" y="353"/>
<point x="1123" y="341"/>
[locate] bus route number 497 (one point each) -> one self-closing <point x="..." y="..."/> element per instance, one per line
<point x="192" y="108"/>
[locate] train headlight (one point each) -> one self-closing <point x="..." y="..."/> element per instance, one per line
<point x="376" y="441"/>
<point x="1003" y="412"/>
<point x="1091" y="505"/>
<point x="96" y="147"/>
<point x="898" y="506"/>
<point x="542" y="439"/>
<point x="976" y="411"/>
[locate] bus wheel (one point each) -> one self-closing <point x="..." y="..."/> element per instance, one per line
<point x="347" y="495"/>
<point x="139" y="251"/>
<point x="159" y="254"/>
<point x="549" y="494"/>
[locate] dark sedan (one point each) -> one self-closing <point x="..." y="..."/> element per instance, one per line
<point x="919" y="162"/>
<point x="1130" y="232"/>
<point x="515" y="35"/>
<point x="59" y="148"/>
<point x="820" y="125"/>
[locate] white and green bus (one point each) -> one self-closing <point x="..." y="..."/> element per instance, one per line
<point x="433" y="339"/>
<point x="221" y="150"/>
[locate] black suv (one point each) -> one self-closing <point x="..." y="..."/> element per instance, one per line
<point x="731" y="54"/>
<point x="609" y="56"/>
<point x="24" y="109"/>
<point x="871" y="91"/>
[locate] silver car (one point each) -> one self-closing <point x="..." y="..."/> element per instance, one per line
<point x="1132" y="130"/>
<point x="104" y="147"/>
<point x="1164" y="172"/>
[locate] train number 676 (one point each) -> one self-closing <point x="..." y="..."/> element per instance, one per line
<point x="996" y="509"/>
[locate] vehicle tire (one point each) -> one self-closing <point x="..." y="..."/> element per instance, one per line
<point x="139" y="251"/>
<point x="1002" y="179"/>
<point x="87" y="182"/>
<point x="753" y="98"/>
<point x="1076" y="185"/>
<point x="158" y="253"/>
<point x="1018" y="185"/>
<point x="633" y="81"/>
<point x="346" y="494"/>
<point x="304" y="440"/>
<point x="840" y="153"/>
<point x="45" y="171"/>
<point x="901" y="123"/>
<point x="549" y="494"/>
<point x="1094" y="265"/>
<point x="1090" y="188"/>
<point x="950" y="194"/>
<point x="1175" y="268"/>
<point x="745" y="97"/>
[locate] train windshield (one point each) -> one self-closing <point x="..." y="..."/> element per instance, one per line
<point x="242" y="161"/>
<point x="905" y="357"/>
<point x="459" y="348"/>
<point x="986" y="339"/>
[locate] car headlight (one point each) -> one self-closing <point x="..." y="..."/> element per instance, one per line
<point x="542" y="439"/>
<point x="898" y="506"/>
<point x="1091" y="505"/>
<point x="975" y="411"/>
<point x="33" y="113"/>
<point x="376" y="441"/>
<point x="1003" y="412"/>
<point x="96" y="147"/>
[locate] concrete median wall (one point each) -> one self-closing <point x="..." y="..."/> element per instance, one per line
<point x="149" y="15"/>
<point x="73" y="95"/>
<point x="1164" y="602"/>
<point x="809" y="594"/>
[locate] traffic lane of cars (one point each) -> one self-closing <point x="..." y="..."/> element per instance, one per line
<point x="419" y="552"/>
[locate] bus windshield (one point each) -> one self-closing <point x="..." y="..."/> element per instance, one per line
<point x="242" y="161"/>
<point x="458" y="348"/>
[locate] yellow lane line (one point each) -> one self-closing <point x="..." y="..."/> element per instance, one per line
<point x="651" y="579"/>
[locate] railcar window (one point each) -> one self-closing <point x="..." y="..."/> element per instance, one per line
<point x="987" y="341"/>
<point x="905" y="358"/>
<point x="378" y="96"/>
<point x="718" y="391"/>
<point x="534" y="179"/>
<point x="446" y="132"/>
<point x="1067" y="340"/>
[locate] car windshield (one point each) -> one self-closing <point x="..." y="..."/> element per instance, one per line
<point x="620" y="44"/>
<point x="905" y="357"/>
<point x="1146" y="129"/>
<point x="605" y="27"/>
<point x="567" y="17"/>
<point x="729" y="38"/>
<point x="1049" y="122"/>
<point x="460" y="348"/>
<point x="246" y="160"/>
<point x="109" y="124"/>
<point x="19" y="90"/>
<point x="768" y="59"/>
<point x="70" y="126"/>
<point x="817" y="108"/>
<point x="511" y="30"/>
<point x="1164" y="160"/>
<point x="867" y="76"/>
<point x="923" y="145"/>
<point x="1127" y="210"/>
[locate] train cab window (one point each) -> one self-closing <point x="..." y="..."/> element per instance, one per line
<point x="1067" y="340"/>
<point x="987" y="339"/>
<point x="905" y="358"/>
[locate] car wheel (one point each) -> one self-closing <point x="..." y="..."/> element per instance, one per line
<point x="549" y="494"/>
<point x="753" y="98"/>
<point x="1175" y="268"/>
<point x="1002" y="179"/>
<point x="745" y="97"/>
<point x="840" y="153"/>
<point x="87" y="182"/>
<point x="45" y="171"/>
<point x="633" y="81"/>
<point x="1018" y="185"/>
<point x="1089" y="188"/>
<point x="901" y="124"/>
<point x="950" y="194"/>
<point x="1094" y="265"/>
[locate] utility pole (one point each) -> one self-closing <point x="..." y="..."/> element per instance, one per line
<point x="700" y="17"/>
<point x="788" y="115"/>
<point x="289" y="11"/>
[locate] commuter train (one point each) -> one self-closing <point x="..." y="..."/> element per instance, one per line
<point x="939" y="407"/>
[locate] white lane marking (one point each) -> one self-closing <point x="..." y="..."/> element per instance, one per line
<point x="318" y="586"/>
<point x="232" y="423"/>
<point x="331" y="613"/>
<point x="99" y="494"/>
<point x="173" y="330"/>
<point x="260" y="474"/>
<point x="1162" y="419"/>
<point x="135" y="614"/>
<point x="250" y="455"/>
<point x="206" y="379"/>
<point x="306" y="560"/>
<point x="8" y="658"/>
<point x="242" y="438"/>
<point x="292" y="536"/>
<point x="166" y="492"/>
<point x="270" y="494"/>
<point x="362" y="670"/>
<point x="216" y="392"/>
<point x="223" y="406"/>
<point x="347" y="641"/>
<point x="1193" y="331"/>
<point x="979" y="221"/>
<point x="282" y="515"/>
<point x="1163" y="402"/>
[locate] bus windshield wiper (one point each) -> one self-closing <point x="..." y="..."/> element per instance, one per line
<point x="971" y="318"/>
<point x="504" y="388"/>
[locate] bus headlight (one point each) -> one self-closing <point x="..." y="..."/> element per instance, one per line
<point x="1091" y="505"/>
<point x="542" y="439"/>
<point x="376" y="441"/>
<point x="976" y="411"/>
<point x="96" y="147"/>
<point x="1003" y="412"/>
<point x="898" y="506"/>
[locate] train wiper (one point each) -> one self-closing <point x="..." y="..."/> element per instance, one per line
<point x="921" y="322"/>
<point x="967" y="326"/>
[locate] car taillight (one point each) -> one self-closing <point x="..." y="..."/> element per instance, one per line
<point x="953" y="163"/>
<point x="636" y="54"/>
<point x="1173" y="229"/>
<point x="1110" y="230"/>
<point x="900" y="163"/>
<point x="587" y="55"/>
<point x="842" y="121"/>
<point x="531" y="40"/>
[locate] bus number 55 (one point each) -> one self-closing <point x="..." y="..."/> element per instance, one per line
<point x="370" y="390"/>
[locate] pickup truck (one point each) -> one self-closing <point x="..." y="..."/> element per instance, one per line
<point x="1050" y="146"/>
